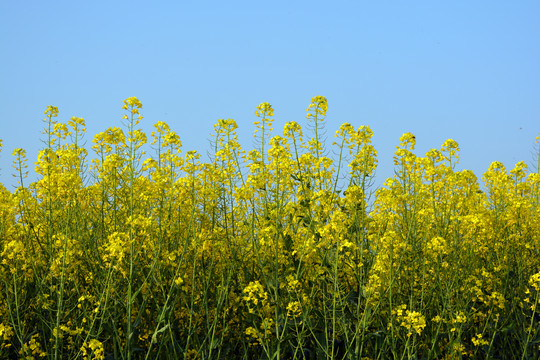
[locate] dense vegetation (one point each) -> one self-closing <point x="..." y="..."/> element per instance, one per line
<point x="276" y="253"/>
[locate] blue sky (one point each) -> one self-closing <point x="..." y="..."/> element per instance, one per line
<point x="466" y="70"/>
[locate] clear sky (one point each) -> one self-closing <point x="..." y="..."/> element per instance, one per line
<point x="466" y="70"/>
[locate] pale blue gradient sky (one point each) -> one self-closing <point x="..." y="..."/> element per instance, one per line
<point x="467" y="70"/>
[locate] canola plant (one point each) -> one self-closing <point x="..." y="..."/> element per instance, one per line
<point x="280" y="252"/>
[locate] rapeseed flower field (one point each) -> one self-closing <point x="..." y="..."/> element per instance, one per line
<point x="134" y="249"/>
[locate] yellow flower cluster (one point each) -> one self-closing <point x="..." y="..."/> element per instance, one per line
<point x="255" y="296"/>
<point x="93" y="349"/>
<point x="412" y="321"/>
<point x="32" y="349"/>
